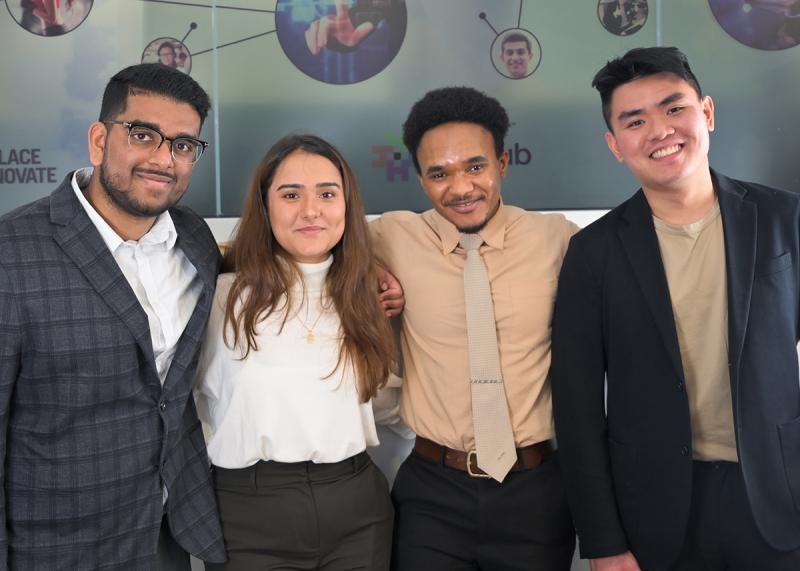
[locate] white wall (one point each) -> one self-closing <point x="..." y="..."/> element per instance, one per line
<point x="223" y="227"/>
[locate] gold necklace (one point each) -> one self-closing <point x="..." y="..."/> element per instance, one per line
<point x="310" y="338"/>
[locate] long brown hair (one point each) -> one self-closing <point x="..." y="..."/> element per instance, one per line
<point x="265" y="272"/>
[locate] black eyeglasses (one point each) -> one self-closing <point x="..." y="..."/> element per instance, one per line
<point x="183" y="149"/>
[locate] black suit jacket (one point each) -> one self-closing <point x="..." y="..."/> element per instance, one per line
<point x="87" y="433"/>
<point x="628" y="470"/>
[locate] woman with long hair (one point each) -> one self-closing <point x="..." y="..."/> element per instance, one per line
<point x="297" y="345"/>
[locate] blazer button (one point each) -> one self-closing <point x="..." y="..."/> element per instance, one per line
<point x="684" y="450"/>
<point x="162" y="405"/>
<point x="680" y="386"/>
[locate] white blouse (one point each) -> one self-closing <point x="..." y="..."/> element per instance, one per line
<point x="277" y="404"/>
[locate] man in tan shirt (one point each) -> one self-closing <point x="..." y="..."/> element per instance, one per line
<point x="449" y="514"/>
<point x="683" y="304"/>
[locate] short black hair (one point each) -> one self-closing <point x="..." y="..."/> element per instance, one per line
<point x="516" y="37"/>
<point x="454" y="105"/>
<point x="155" y="79"/>
<point x="639" y="63"/>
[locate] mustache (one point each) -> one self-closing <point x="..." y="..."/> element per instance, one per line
<point x="462" y="200"/>
<point x="157" y="173"/>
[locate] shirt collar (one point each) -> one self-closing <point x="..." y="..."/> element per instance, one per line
<point x="493" y="233"/>
<point x="162" y="232"/>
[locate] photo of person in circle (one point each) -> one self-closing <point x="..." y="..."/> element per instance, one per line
<point x="517" y="53"/>
<point x="622" y="17"/>
<point x="760" y="24"/>
<point x="341" y="41"/>
<point x="167" y="55"/>
<point x="170" y="52"/>
<point x="49" y="17"/>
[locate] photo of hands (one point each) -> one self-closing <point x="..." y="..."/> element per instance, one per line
<point x="341" y="41"/>
<point x="49" y="17"/>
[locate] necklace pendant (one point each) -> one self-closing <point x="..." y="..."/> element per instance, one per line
<point x="310" y="338"/>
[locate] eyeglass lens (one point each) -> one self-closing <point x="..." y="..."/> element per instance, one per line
<point x="183" y="150"/>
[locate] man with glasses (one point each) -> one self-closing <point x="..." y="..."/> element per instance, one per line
<point x="105" y="287"/>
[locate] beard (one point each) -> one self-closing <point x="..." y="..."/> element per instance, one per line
<point x="474" y="229"/>
<point x="125" y="200"/>
<point x="477" y="226"/>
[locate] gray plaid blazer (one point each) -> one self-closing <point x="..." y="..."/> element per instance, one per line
<point x="87" y="434"/>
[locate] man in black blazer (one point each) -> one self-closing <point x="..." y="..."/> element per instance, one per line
<point x="685" y="299"/>
<point x="105" y="288"/>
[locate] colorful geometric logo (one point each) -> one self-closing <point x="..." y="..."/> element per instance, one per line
<point x="393" y="158"/>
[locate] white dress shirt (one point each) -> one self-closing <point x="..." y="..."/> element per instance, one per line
<point x="162" y="277"/>
<point x="279" y="403"/>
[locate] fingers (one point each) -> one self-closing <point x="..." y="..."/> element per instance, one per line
<point x="324" y="32"/>
<point x="391" y="295"/>
<point x="311" y="37"/>
<point x="392" y="308"/>
<point x="341" y="10"/>
<point x="392" y="300"/>
<point x="361" y="32"/>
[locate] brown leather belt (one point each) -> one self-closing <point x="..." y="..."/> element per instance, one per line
<point x="527" y="457"/>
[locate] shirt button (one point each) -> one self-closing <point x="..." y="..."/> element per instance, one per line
<point x="162" y="405"/>
<point x="684" y="450"/>
<point x="680" y="386"/>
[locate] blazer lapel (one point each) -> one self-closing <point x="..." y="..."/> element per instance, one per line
<point x="81" y="241"/>
<point x="640" y="243"/>
<point x="739" y="223"/>
<point x="205" y="263"/>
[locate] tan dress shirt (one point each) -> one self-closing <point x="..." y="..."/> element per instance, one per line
<point x="523" y="252"/>
<point x="694" y="261"/>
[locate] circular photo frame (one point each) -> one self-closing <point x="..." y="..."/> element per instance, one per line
<point x="516" y="53"/>
<point x="622" y="17"/>
<point x="341" y="41"/>
<point x="170" y="52"/>
<point x="49" y="17"/>
<point x="761" y="24"/>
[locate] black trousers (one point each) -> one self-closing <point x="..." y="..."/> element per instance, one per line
<point x="722" y="535"/>
<point x="446" y="520"/>
<point x="171" y="556"/>
<point x="305" y="516"/>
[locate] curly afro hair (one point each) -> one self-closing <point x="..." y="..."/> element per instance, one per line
<point x="454" y="105"/>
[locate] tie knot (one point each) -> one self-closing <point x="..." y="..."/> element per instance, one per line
<point x="470" y="241"/>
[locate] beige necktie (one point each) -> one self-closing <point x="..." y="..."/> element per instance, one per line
<point x="494" y="438"/>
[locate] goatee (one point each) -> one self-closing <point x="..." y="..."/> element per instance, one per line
<point x="127" y="202"/>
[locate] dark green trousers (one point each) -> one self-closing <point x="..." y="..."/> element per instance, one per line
<point x="302" y="516"/>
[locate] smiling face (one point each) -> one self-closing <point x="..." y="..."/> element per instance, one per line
<point x="306" y="206"/>
<point x="166" y="55"/>
<point x="461" y="174"/>
<point x="660" y="130"/>
<point x="134" y="183"/>
<point x="516" y="57"/>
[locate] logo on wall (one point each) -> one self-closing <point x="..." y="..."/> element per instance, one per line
<point x="393" y="158"/>
<point x="25" y="166"/>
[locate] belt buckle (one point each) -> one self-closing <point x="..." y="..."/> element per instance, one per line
<point x="470" y="455"/>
